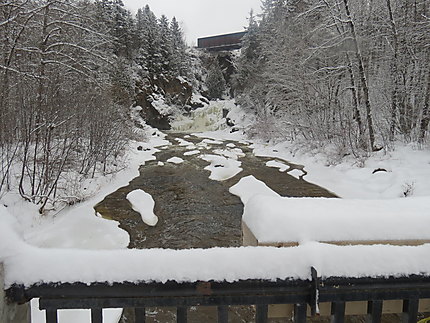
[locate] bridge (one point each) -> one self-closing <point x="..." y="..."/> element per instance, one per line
<point x="225" y="42"/>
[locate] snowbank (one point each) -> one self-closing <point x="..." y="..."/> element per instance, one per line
<point x="74" y="227"/>
<point x="28" y="265"/>
<point x="143" y="203"/>
<point x="281" y="219"/>
<point x="249" y="186"/>
<point x="403" y="172"/>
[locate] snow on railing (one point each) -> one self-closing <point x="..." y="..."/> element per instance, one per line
<point x="299" y="296"/>
<point x="31" y="265"/>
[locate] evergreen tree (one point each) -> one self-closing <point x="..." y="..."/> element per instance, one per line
<point x="215" y="81"/>
<point x="149" y="52"/>
<point x="166" y="47"/>
<point x="180" y="59"/>
<point x="249" y="60"/>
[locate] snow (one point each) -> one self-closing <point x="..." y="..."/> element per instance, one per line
<point x="212" y="142"/>
<point x="73" y="316"/>
<point x="75" y="245"/>
<point x="143" y="203"/>
<point x="74" y="227"/>
<point x="281" y="219"/>
<point x="249" y="186"/>
<point x="191" y="152"/>
<point x="297" y="173"/>
<point x="159" y="103"/>
<point x="221" y="168"/>
<point x="175" y="160"/>
<point x="183" y="142"/>
<point x="234" y="153"/>
<point x="276" y="164"/>
<point x="28" y="265"/>
<point x="407" y="170"/>
<point x="202" y="119"/>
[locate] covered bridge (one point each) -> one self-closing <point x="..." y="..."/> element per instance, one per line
<point x="221" y="42"/>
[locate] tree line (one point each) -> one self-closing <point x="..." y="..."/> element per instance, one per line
<point x="67" y="79"/>
<point x="353" y="73"/>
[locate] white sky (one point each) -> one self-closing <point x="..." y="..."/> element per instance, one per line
<point x="200" y="18"/>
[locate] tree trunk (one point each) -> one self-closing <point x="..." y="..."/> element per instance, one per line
<point x="394" y="73"/>
<point x="355" y="100"/>
<point x="425" y="119"/>
<point x="362" y="76"/>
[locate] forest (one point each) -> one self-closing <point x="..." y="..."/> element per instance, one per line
<point x="348" y="72"/>
<point x="68" y="71"/>
<point x="353" y="74"/>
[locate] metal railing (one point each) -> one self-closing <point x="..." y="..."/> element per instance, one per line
<point x="260" y="293"/>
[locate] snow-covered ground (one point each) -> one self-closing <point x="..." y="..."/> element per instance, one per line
<point x="403" y="171"/>
<point x="403" y="179"/>
<point x="73" y="228"/>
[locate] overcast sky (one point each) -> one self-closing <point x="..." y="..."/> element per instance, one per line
<point x="200" y="18"/>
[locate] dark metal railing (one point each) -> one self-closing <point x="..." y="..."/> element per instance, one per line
<point x="260" y="293"/>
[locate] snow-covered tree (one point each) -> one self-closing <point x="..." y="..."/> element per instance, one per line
<point x="350" y="72"/>
<point x="215" y="81"/>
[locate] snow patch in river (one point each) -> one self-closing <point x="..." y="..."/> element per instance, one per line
<point x="175" y="160"/>
<point x="191" y="152"/>
<point x="221" y="168"/>
<point x="143" y="203"/>
<point x="297" y="173"/>
<point x="276" y="164"/>
<point x="235" y="153"/>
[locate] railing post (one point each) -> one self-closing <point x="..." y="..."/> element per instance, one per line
<point x="261" y="314"/>
<point x="314" y="301"/>
<point x="140" y="314"/>
<point x="410" y="311"/>
<point x="11" y="313"/>
<point x="374" y="311"/>
<point x="96" y="315"/>
<point x="338" y="312"/>
<point x="181" y="315"/>
<point x="51" y="315"/>
<point x="300" y="313"/>
<point x="222" y="314"/>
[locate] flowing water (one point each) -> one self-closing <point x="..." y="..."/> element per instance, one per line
<point x="194" y="211"/>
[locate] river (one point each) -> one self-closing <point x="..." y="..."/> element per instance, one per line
<point x="193" y="210"/>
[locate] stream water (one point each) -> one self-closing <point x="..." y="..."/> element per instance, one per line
<point x="194" y="211"/>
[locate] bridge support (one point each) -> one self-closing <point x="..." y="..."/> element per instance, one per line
<point x="10" y="312"/>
